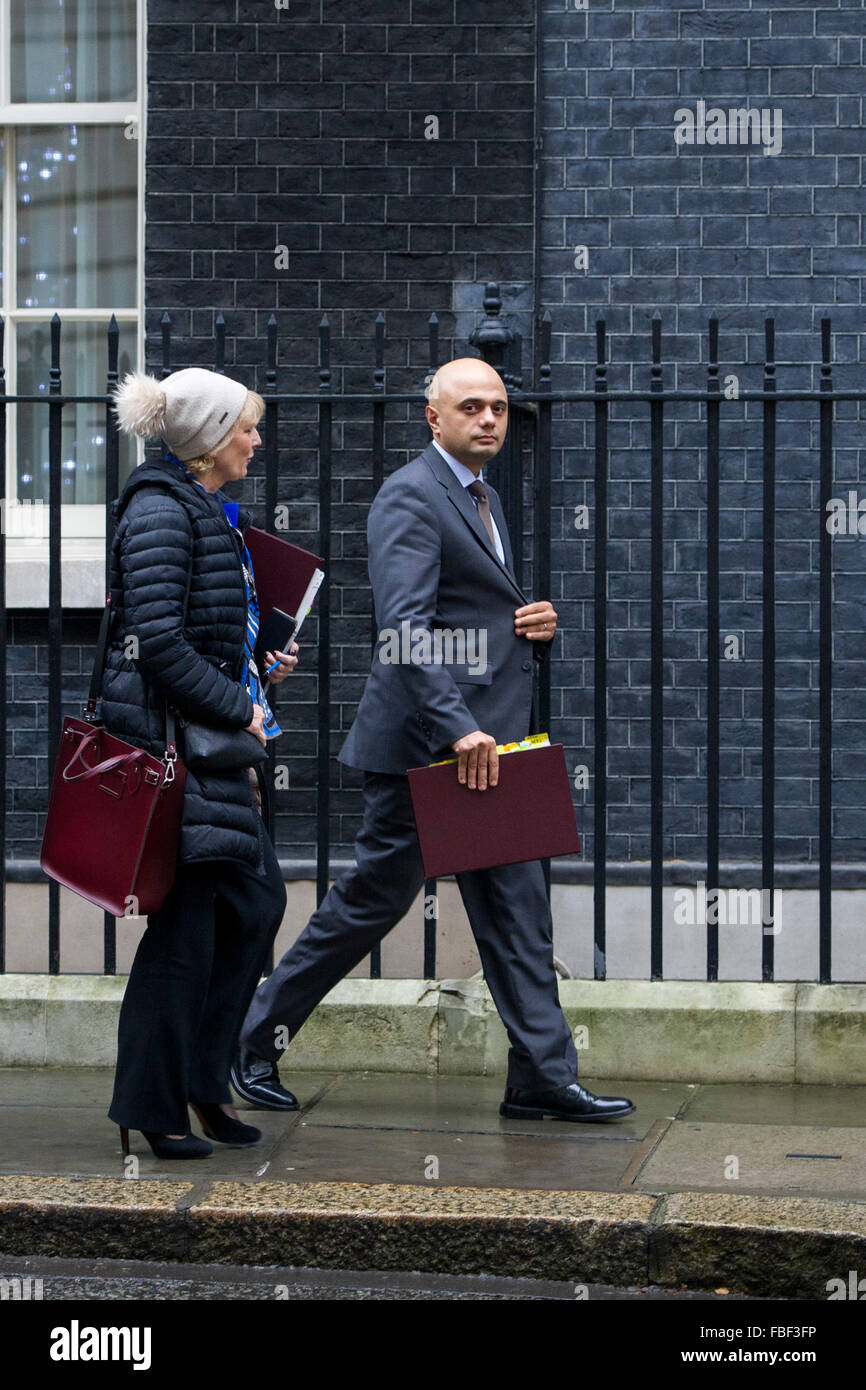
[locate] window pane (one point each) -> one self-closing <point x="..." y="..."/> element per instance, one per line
<point x="84" y="363"/>
<point x="73" y="50"/>
<point x="77" y="217"/>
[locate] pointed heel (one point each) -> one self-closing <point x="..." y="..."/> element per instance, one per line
<point x="124" y="1139"/>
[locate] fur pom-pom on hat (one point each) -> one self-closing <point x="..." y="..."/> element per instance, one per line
<point x="139" y="404"/>
<point x="193" y="409"/>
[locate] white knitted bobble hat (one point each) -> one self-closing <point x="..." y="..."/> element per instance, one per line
<point x="192" y="409"/>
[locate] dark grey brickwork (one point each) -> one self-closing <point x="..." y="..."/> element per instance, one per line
<point x="687" y="231"/>
<point x="305" y="128"/>
<point x="26" y="733"/>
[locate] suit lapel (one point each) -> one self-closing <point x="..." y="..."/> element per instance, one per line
<point x="467" y="509"/>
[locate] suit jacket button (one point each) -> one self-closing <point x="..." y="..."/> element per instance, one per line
<point x="527" y="665"/>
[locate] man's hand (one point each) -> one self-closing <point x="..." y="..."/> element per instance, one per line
<point x="257" y="727"/>
<point x="537" y="621"/>
<point x="288" y="661"/>
<point x="478" y="760"/>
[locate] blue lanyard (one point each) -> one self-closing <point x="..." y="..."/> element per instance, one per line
<point x="250" y="674"/>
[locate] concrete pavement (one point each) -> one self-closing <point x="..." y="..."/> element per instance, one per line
<point x="759" y="1189"/>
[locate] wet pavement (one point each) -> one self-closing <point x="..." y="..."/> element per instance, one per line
<point x="747" y="1189"/>
<point x="804" y="1141"/>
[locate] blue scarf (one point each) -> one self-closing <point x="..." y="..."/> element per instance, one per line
<point x="250" y="673"/>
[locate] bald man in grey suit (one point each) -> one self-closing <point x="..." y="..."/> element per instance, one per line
<point x="440" y="559"/>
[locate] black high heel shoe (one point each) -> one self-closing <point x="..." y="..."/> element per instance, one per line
<point x="190" y="1146"/>
<point x="221" y="1127"/>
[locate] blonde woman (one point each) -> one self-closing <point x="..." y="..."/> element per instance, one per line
<point x="186" y="616"/>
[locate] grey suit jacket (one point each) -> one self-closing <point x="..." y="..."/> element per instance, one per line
<point x="435" y="571"/>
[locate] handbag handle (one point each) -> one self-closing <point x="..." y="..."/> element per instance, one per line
<point x="105" y="766"/>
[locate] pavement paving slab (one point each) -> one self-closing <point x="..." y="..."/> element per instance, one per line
<point x="469" y="1105"/>
<point x="481" y="1160"/>
<point x="749" y="1104"/>
<point x="779" y="1160"/>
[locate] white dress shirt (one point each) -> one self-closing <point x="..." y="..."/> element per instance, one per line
<point x="465" y="476"/>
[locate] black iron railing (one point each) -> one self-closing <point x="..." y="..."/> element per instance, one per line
<point x="534" y="426"/>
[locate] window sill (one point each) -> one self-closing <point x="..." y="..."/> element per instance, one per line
<point x="82" y="573"/>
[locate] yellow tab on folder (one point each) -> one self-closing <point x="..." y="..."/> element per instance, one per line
<point x="533" y="741"/>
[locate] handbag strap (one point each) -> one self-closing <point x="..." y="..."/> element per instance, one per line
<point x="170" y="730"/>
<point x="99" y="661"/>
<point x="105" y="626"/>
<point x="89" y="713"/>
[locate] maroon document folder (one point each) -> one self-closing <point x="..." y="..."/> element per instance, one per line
<point x="529" y="814"/>
<point x="282" y="571"/>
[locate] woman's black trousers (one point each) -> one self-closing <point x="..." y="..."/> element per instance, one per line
<point x="194" y="973"/>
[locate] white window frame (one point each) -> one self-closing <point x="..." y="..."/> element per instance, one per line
<point x="82" y="524"/>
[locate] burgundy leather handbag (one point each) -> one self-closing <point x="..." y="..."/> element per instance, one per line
<point x="113" y="825"/>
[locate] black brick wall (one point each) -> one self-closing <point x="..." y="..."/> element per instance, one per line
<point x="687" y="231"/>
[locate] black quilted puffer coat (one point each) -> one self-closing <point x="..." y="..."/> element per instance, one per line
<point x="170" y="531"/>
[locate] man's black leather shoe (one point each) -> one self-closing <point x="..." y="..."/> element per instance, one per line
<point x="257" y="1081"/>
<point x="562" y="1103"/>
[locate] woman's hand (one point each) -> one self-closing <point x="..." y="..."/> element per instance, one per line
<point x="257" y="727"/>
<point x="288" y="661"/>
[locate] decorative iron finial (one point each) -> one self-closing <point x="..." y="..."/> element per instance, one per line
<point x="492" y="336"/>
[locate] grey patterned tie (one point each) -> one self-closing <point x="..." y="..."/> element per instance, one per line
<point x="479" y="491"/>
